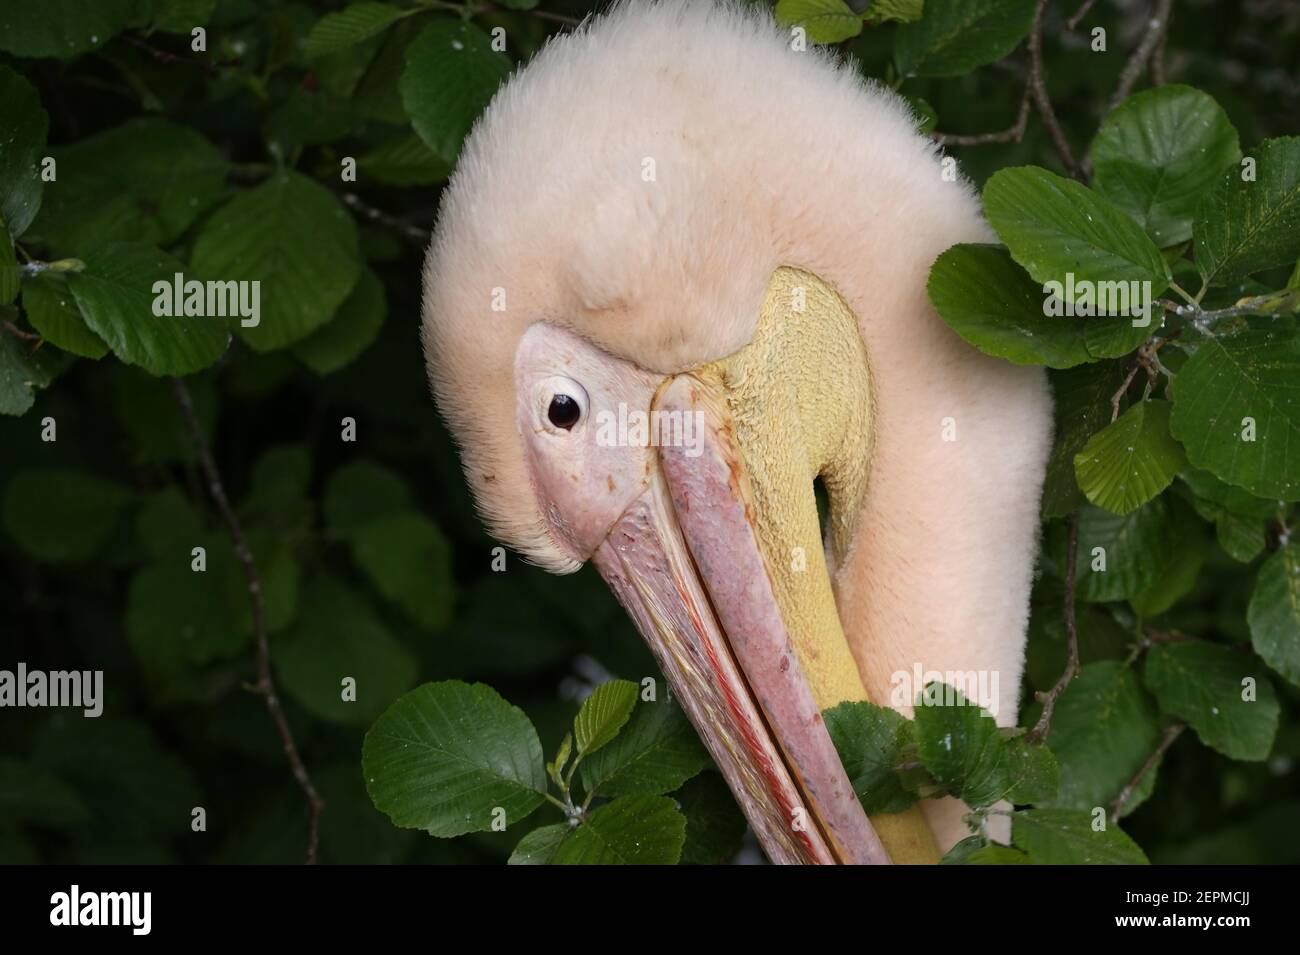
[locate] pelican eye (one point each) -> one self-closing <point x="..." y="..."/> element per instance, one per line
<point x="564" y="412"/>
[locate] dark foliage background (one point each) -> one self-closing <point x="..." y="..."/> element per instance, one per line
<point x="93" y="521"/>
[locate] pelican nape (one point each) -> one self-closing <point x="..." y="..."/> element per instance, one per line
<point x="673" y="210"/>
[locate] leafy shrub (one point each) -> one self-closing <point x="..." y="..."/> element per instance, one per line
<point x="133" y="148"/>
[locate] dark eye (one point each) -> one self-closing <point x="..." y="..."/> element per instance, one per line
<point x="564" y="412"/>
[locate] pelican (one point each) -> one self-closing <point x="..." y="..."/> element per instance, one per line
<point x="676" y="216"/>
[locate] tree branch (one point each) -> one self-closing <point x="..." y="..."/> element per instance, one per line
<point x="1048" y="699"/>
<point x="413" y="234"/>
<point x="162" y="56"/>
<point x="1272" y="304"/>
<point x="18" y="333"/>
<point x="1012" y="134"/>
<point x="1038" y="84"/>
<point x="1078" y="15"/>
<point x="1151" y="39"/>
<point x="1125" y="794"/>
<point x="265" y="686"/>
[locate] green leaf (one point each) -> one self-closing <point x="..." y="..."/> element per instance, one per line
<point x="403" y="161"/>
<point x="1177" y="578"/>
<point x="19" y="379"/>
<point x="178" y="620"/>
<point x="1131" y="460"/>
<point x="654" y="753"/>
<point x="1067" y="837"/>
<point x="52" y="311"/>
<point x="998" y="855"/>
<point x="1083" y="395"/>
<point x="1203" y="684"/>
<point x="66" y="28"/>
<point x="145" y="181"/>
<point x="824" y="21"/>
<point x="1158" y="153"/>
<point x="1064" y="233"/>
<point x="631" y="830"/>
<point x="9" y="275"/>
<point x="116" y="296"/>
<point x="29" y="794"/>
<point x="182" y="16"/>
<point x="1134" y="550"/>
<point x="446" y="755"/>
<point x="62" y="516"/>
<point x="409" y="559"/>
<point x="362" y="492"/>
<point x="350" y="331"/>
<point x="1243" y="227"/>
<point x="897" y="11"/>
<point x="338" y="638"/>
<point x="1237" y="514"/>
<point x="961" y="746"/>
<point x="870" y="741"/>
<point x="377" y="95"/>
<point x="310" y="117"/>
<point x="715" y="827"/>
<point x="1104" y="729"/>
<point x="147" y="412"/>
<point x="603" y="714"/>
<point x="955" y="36"/>
<point x="1251" y="375"/>
<point x="994" y="305"/>
<point x="278" y="567"/>
<point x="451" y="73"/>
<point x="1274" y="612"/>
<point x="105" y="759"/>
<point x="555" y="769"/>
<point x="963" y="850"/>
<point x="175" y="613"/>
<point x="24" y="125"/>
<point x="258" y="237"/>
<point x="168" y="525"/>
<point x="538" y="847"/>
<point x="352" y="24"/>
<point x="278" y="496"/>
<point x="1035" y="774"/>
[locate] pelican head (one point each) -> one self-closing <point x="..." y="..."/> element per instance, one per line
<point x="678" y="276"/>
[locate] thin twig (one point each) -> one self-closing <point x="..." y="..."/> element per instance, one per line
<point x="17" y="332"/>
<point x="162" y="56"/>
<point x="1125" y="794"/>
<point x="1159" y="76"/>
<point x="555" y="17"/>
<point x="414" y="234"/>
<point x="1118" y="396"/>
<point x="1079" y="14"/>
<point x="1048" y="699"/>
<point x="1038" y="83"/>
<point x="1150" y="636"/>
<point x="265" y="686"/>
<point x="1156" y="27"/>
<point x="568" y="21"/>
<point x="1012" y="134"/>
